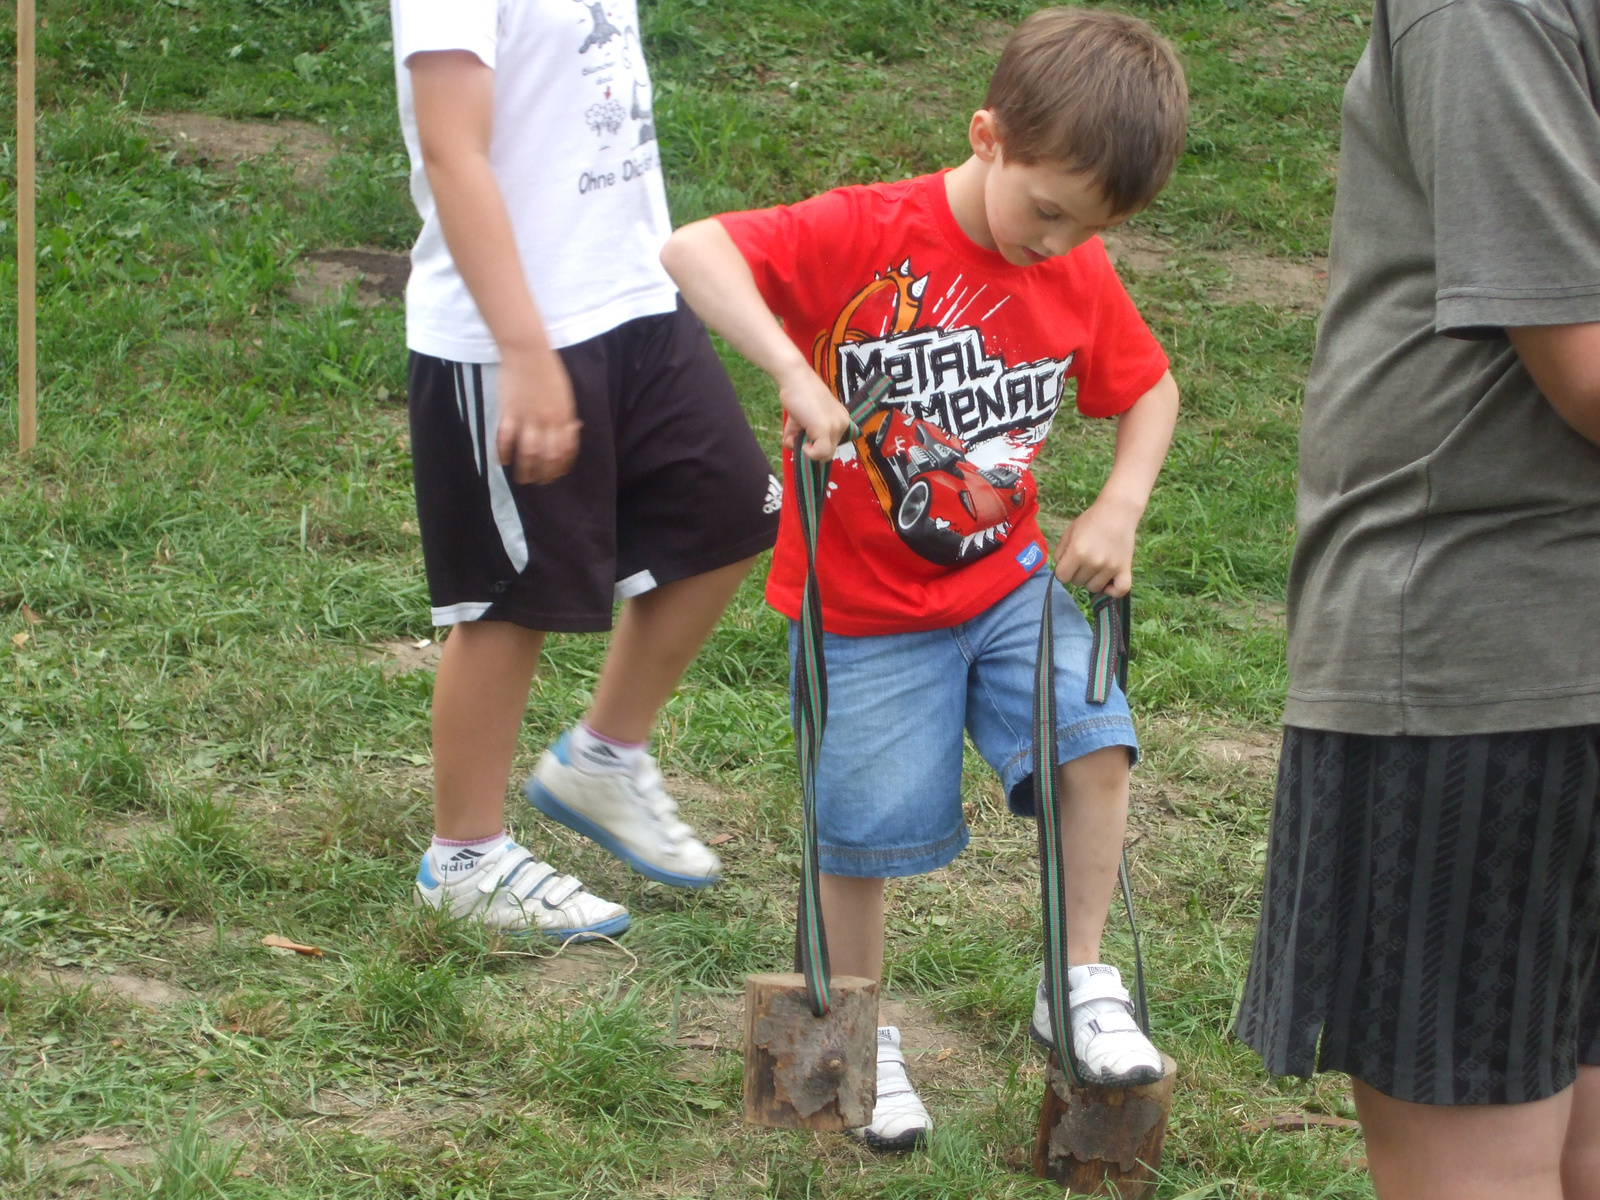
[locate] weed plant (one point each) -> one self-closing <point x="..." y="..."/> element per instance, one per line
<point x="199" y="745"/>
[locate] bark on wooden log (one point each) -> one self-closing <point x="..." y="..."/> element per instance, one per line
<point x="1103" y="1141"/>
<point x="803" y="1071"/>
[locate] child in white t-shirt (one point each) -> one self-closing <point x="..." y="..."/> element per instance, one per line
<point x="575" y="441"/>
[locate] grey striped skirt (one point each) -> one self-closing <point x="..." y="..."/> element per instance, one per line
<point x="1431" y="914"/>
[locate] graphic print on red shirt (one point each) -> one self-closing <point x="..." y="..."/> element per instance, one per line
<point x="931" y="512"/>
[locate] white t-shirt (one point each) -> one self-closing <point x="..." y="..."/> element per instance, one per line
<point x="575" y="154"/>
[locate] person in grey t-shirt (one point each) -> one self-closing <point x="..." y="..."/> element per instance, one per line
<point x="1431" y="914"/>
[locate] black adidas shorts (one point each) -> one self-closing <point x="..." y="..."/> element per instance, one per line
<point x="669" y="482"/>
<point x="1431" y="915"/>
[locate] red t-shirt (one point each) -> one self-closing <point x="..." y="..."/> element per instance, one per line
<point x="931" y="514"/>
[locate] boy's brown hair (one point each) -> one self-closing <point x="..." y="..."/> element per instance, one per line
<point x="1096" y="92"/>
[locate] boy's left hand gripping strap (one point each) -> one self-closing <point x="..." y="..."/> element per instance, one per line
<point x="808" y="706"/>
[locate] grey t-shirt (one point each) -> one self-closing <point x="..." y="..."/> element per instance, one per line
<point x="1447" y="576"/>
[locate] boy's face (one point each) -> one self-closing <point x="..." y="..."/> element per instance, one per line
<point x="1037" y="211"/>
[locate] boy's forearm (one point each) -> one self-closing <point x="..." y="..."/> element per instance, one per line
<point x="454" y="95"/>
<point x="1144" y="434"/>
<point x="716" y="282"/>
<point x="477" y="229"/>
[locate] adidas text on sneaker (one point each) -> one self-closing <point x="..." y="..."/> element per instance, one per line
<point x="629" y="814"/>
<point x="1111" y="1048"/>
<point x="507" y="888"/>
<point x="900" y="1122"/>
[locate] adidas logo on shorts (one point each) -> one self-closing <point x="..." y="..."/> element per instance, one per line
<point x="774" y="495"/>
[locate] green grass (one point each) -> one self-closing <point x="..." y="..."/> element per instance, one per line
<point x="194" y="751"/>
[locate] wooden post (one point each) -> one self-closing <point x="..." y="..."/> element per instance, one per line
<point x="1103" y="1141"/>
<point x="27" y="333"/>
<point x="802" y="1071"/>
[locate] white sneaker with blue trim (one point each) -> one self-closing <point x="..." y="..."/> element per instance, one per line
<point x="507" y="888"/>
<point x="627" y="812"/>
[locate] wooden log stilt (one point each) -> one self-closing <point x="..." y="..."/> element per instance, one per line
<point x="802" y="1071"/>
<point x="1103" y="1141"/>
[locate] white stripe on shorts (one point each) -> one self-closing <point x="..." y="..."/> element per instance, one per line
<point x="482" y="408"/>
<point x="636" y="584"/>
<point x="454" y="614"/>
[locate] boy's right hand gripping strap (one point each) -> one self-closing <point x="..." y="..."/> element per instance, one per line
<point x="808" y="706"/>
<point x="1108" y="660"/>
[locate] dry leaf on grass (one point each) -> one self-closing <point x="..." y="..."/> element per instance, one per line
<point x="720" y="839"/>
<point x="944" y="1054"/>
<point x="19" y="640"/>
<point x="283" y="943"/>
<point x="1292" y="1121"/>
<point x="31" y="617"/>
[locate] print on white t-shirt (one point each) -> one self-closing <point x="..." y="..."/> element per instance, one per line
<point x="574" y="150"/>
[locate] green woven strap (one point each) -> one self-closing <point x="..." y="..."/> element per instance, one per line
<point x="1108" y="657"/>
<point x="1108" y="660"/>
<point x="808" y="705"/>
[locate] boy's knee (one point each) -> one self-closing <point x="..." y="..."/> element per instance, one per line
<point x="1104" y="768"/>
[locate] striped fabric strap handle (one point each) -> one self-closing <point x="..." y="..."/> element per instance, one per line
<point x="1110" y="619"/>
<point x="808" y="706"/>
<point x="1108" y="660"/>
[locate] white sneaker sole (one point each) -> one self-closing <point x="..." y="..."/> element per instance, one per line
<point x="1138" y="1077"/>
<point x="912" y="1139"/>
<point x="610" y="927"/>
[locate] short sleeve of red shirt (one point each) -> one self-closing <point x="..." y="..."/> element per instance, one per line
<point x="1121" y="360"/>
<point x="795" y="251"/>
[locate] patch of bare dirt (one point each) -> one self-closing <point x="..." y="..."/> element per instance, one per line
<point x="1292" y="285"/>
<point x="403" y="1123"/>
<point x="579" y="968"/>
<point x="379" y="276"/>
<point x="399" y="657"/>
<point x="90" y="1157"/>
<point x="1234" y="752"/>
<point x="220" y="143"/>
<point x="125" y="833"/>
<point x="136" y="989"/>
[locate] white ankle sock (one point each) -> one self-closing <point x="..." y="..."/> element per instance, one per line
<point x="596" y="754"/>
<point x="452" y="860"/>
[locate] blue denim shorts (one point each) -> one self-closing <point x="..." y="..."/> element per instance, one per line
<point x="889" y="776"/>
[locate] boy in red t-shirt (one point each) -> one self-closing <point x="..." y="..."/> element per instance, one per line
<point x="978" y="291"/>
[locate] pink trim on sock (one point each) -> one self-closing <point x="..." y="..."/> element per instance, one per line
<point x="439" y="841"/>
<point x="611" y="741"/>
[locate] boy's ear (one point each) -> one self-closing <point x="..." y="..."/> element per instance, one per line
<point x="984" y="134"/>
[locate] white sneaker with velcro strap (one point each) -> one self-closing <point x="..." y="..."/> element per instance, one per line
<point x="509" y="889"/>
<point x="899" y="1120"/>
<point x="1111" y="1048"/>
